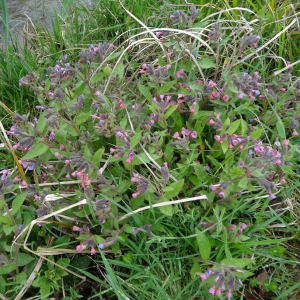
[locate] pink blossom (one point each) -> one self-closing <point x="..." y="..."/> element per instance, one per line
<point x="79" y="248"/>
<point x="75" y="228"/>
<point x="218" y="292"/>
<point x="294" y="133"/>
<point x="93" y="251"/>
<point x="228" y="294"/>
<point x="193" y="135"/>
<point x="225" y="98"/>
<point x="212" y="290"/>
<point x="62" y="147"/>
<point x="282" y="181"/>
<point x="180" y="73"/>
<point x="231" y="227"/>
<point x="134" y="195"/>
<point x="243" y="226"/>
<point x="203" y="277"/>
<point x="176" y="135"/>
<point x="285" y="142"/>
<point x="217" y="138"/>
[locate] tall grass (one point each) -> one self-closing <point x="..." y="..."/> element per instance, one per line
<point x="5" y="21"/>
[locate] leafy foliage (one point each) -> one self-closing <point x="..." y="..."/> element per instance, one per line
<point x="172" y="154"/>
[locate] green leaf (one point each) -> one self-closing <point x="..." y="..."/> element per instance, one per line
<point x="70" y="129"/>
<point x="7" y="229"/>
<point x="203" y="244"/>
<point x="244" y="127"/>
<point x="280" y="129"/>
<point x="82" y="117"/>
<point x="145" y="92"/>
<point x="6" y="269"/>
<point x="195" y="269"/>
<point x="224" y="146"/>
<point x="97" y="156"/>
<point x="24" y="259"/>
<point x="237" y="262"/>
<point x="234" y="126"/>
<point x="79" y="88"/>
<point x="173" y="189"/>
<point x="135" y="139"/>
<point x="97" y="77"/>
<point x="257" y="133"/>
<point x="243" y="183"/>
<point x="206" y="63"/>
<point x="17" y="203"/>
<point x="44" y="287"/>
<point x="37" y="150"/>
<point x="5" y="220"/>
<point x="166" y="87"/>
<point x="61" y="136"/>
<point x="166" y="210"/>
<point x="119" y="71"/>
<point x="21" y="278"/>
<point x="41" y="124"/>
<point x="170" y="111"/>
<point x="114" y="55"/>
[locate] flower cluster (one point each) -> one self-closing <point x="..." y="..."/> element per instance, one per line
<point x="225" y="280"/>
<point x="142" y="184"/>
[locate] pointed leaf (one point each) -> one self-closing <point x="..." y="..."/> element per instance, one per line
<point x="17" y="203"/>
<point x="37" y="150"/>
<point x="173" y="189"/>
<point x="145" y="92"/>
<point x="203" y="244"/>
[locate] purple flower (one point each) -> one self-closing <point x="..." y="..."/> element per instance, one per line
<point x="52" y="135"/>
<point x="212" y="290"/>
<point x="193" y="135"/>
<point x="119" y="134"/>
<point x="101" y="246"/>
<point x="241" y="164"/>
<point x="180" y="73"/>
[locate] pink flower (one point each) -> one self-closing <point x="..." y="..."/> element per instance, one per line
<point x="62" y="147"/>
<point x="282" y="181"/>
<point x="203" y="277"/>
<point x="212" y="290"/>
<point x="294" y="133"/>
<point x="134" y="195"/>
<point x="243" y="226"/>
<point x="217" y="138"/>
<point x="180" y="73"/>
<point x="75" y="228"/>
<point x="79" y="248"/>
<point x="231" y="227"/>
<point x="218" y="292"/>
<point x="225" y="98"/>
<point x="228" y="294"/>
<point x="185" y="132"/>
<point x="193" y="135"/>
<point x="285" y="142"/>
<point x="176" y="135"/>
<point x="93" y="251"/>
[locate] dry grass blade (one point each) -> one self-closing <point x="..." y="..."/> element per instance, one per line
<point x="9" y="146"/>
<point x="162" y="204"/>
<point x="29" y="227"/>
<point x="267" y="43"/>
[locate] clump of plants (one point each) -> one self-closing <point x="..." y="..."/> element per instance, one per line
<point x="125" y="143"/>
